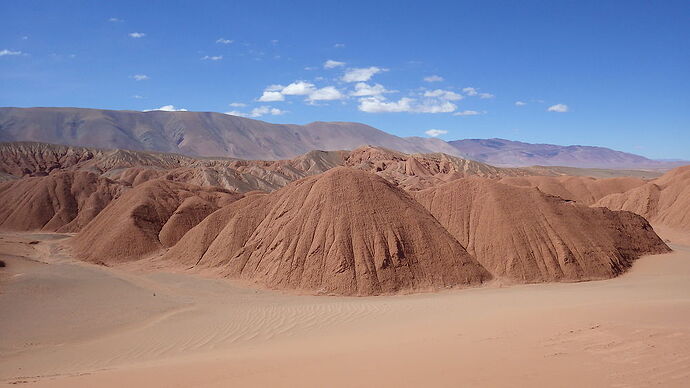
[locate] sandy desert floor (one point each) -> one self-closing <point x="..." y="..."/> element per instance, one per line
<point x="64" y="323"/>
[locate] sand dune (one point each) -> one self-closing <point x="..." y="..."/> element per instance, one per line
<point x="627" y="331"/>
<point x="525" y="235"/>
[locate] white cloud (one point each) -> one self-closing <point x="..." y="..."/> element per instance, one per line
<point x="436" y="132"/>
<point x="137" y="97"/>
<point x="140" y="77"/>
<point x="380" y="105"/>
<point x="270" y="96"/>
<point x="435" y="107"/>
<point x="560" y="108"/>
<point x="327" y="93"/>
<point x="10" y="52"/>
<point x="443" y="94"/>
<point x="224" y="41"/>
<point x="433" y="78"/>
<point x="330" y="64"/>
<point x="364" y="89"/>
<point x="266" y="110"/>
<point x="25" y="37"/>
<point x="361" y="74"/>
<point x="237" y="104"/>
<point x="274" y="88"/>
<point x="298" y="88"/>
<point x="470" y="91"/>
<point x="167" y="108"/>
<point x="258" y="112"/>
<point x="137" y="34"/>
<point x="520" y="103"/>
<point x="467" y="113"/>
<point x="212" y="58"/>
<point x="339" y="45"/>
<point x="115" y="20"/>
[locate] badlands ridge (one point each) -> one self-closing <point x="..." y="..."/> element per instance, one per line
<point x="363" y="222"/>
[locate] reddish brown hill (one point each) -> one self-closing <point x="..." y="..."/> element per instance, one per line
<point x="345" y="232"/>
<point x="664" y="201"/>
<point x="135" y="167"/>
<point x="528" y="236"/>
<point x="60" y="202"/>
<point x="584" y="190"/>
<point x="420" y="171"/>
<point x="409" y="171"/>
<point x="147" y="218"/>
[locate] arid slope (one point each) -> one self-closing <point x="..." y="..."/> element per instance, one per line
<point x="527" y="236"/>
<point x="346" y="232"/>
<point x="664" y="201"/>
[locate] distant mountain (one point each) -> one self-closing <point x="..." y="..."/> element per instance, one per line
<point x="208" y="134"/>
<point x="502" y="152"/>
<point x="197" y="133"/>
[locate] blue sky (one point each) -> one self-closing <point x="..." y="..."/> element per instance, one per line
<point x="609" y="73"/>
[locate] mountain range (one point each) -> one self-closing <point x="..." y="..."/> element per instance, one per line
<point x="209" y="134"/>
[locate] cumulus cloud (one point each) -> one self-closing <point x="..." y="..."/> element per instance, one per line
<point x="301" y="88"/>
<point x="331" y="64"/>
<point x="167" y="108"/>
<point x="270" y="96"/>
<point x="436" y="132"/>
<point x="363" y="89"/>
<point x="237" y="104"/>
<point x="140" y="77"/>
<point x="137" y="97"/>
<point x="9" y="52"/>
<point x="378" y="104"/>
<point x="467" y="113"/>
<point x="560" y="108"/>
<point x="520" y="103"/>
<point x="211" y="58"/>
<point x="361" y="74"/>
<point x="470" y="91"/>
<point x="136" y="34"/>
<point x="339" y="45"/>
<point x="435" y="107"/>
<point x="224" y="41"/>
<point x="115" y="20"/>
<point x="443" y="94"/>
<point x="298" y="88"/>
<point x="327" y="93"/>
<point x="258" y="112"/>
<point x="274" y="88"/>
<point x="433" y="78"/>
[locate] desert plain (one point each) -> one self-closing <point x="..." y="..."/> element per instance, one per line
<point x="76" y="324"/>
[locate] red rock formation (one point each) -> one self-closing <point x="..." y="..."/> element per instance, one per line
<point x="527" y="236"/>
